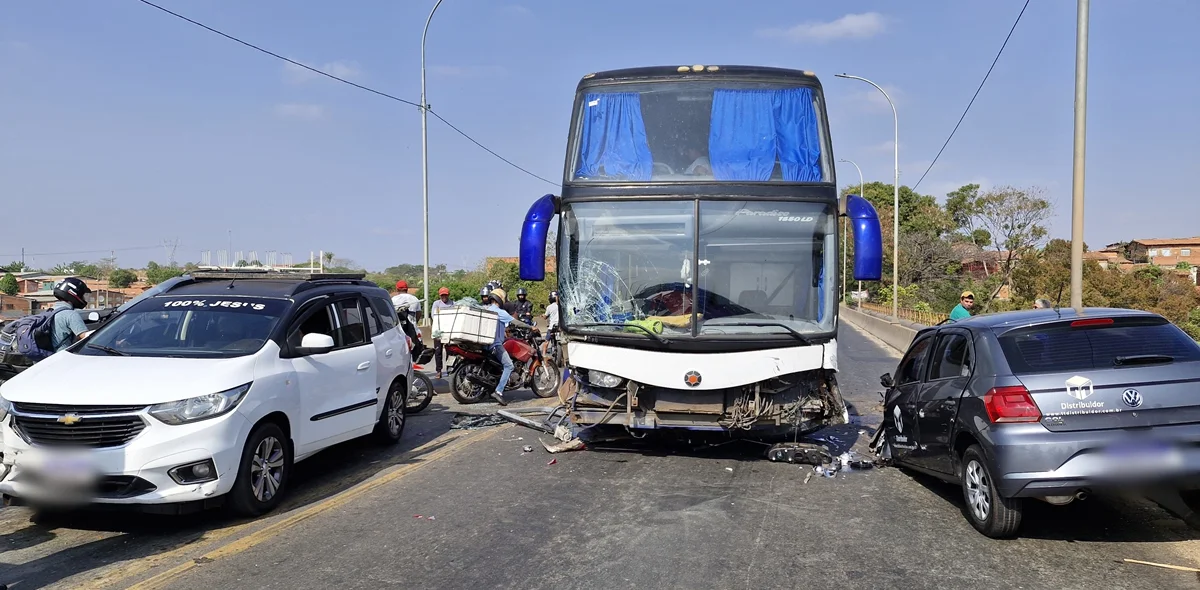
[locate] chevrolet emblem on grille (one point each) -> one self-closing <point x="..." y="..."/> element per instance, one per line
<point x="69" y="419"/>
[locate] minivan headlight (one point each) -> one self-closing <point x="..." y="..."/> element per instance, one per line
<point x="199" y="408"/>
<point x="602" y="379"/>
<point x="4" y="408"/>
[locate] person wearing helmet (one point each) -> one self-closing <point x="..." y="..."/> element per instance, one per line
<point x="68" y="325"/>
<point x="523" y="306"/>
<point x="405" y="302"/>
<point x="443" y="302"/>
<point x="551" y="314"/>
<point x="494" y="301"/>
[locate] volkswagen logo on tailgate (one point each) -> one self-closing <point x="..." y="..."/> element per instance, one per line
<point x="1132" y="398"/>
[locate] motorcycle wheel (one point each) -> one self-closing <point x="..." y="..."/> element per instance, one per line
<point x="545" y="380"/>
<point x="462" y="389"/>
<point x="420" y="393"/>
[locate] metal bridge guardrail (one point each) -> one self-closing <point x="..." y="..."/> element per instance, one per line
<point x="927" y="318"/>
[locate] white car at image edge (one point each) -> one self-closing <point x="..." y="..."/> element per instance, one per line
<point x="206" y="393"/>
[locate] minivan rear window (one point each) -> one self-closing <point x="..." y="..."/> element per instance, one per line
<point x="1061" y="347"/>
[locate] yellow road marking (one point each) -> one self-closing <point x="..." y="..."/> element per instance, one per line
<point x="161" y="580"/>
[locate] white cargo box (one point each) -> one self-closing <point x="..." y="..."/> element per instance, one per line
<point x="464" y="323"/>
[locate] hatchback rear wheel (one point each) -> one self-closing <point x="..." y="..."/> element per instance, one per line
<point x="990" y="513"/>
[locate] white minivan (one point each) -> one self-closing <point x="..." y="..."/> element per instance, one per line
<point x="206" y="393"/>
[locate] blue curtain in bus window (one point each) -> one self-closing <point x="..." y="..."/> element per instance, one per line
<point x="797" y="139"/>
<point x="741" y="141"/>
<point x="613" y="141"/>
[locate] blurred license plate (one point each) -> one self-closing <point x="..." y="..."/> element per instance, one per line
<point x="72" y="469"/>
<point x="1145" y="457"/>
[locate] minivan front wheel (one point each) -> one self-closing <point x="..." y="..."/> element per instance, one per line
<point x="263" y="473"/>
<point x="990" y="513"/>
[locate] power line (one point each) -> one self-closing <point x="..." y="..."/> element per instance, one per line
<point x="344" y="81"/>
<point x="276" y="55"/>
<point x="485" y="148"/>
<point x="100" y="251"/>
<point x="968" y="109"/>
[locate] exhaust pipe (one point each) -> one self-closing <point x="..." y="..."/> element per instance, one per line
<point x="1064" y="500"/>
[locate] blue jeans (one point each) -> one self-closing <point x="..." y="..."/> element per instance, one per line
<point x="502" y="355"/>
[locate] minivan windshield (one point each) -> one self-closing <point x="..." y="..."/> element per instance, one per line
<point x="188" y="327"/>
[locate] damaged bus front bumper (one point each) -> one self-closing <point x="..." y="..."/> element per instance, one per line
<point x="780" y="406"/>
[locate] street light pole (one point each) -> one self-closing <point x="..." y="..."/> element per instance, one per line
<point x="425" y="163"/>
<point x="846" y="223"/>
<point x="1077" y="177"/>
<point x="895" y="199"/>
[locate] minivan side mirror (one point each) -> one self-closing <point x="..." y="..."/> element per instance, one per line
<point x="887" y="381"/>
<point x="315" y="344"/>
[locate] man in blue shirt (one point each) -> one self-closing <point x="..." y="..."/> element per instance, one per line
<point x="68" y="326"/>
<point x="495" y="302"/>
<point x="962" y="311"/>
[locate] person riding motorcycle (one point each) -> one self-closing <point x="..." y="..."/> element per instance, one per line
<point x="493" y="299"/>
<point x="524" y="307"/>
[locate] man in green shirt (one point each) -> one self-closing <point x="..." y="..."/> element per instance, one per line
<point x="962" y="311"/>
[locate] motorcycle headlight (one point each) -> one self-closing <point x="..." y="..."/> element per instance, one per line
<point x="199" y="408"/>
<point x="602" y="379"/>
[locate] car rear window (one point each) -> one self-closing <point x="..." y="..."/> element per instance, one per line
<point x="1062" y="347"/>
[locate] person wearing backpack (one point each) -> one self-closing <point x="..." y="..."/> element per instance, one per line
<point x="67" y="324"/>
<point x="39" y="336"/>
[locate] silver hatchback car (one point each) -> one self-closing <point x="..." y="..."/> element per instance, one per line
<point x="1052" y="405"/>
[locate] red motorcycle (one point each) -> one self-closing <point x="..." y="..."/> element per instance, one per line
<point x="476" y="372"/>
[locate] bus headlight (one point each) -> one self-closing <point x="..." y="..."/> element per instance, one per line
<point x="602" y="379"/>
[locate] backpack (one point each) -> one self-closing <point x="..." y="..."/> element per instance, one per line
<point x="35" y="335"/>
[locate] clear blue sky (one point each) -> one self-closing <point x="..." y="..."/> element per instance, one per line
<point x="147" y="128"/>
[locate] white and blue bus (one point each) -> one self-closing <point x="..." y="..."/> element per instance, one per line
<point x="698" y="251"/>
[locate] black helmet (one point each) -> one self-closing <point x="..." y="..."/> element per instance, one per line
<point x="485" y="293"/>
<point x="553" y="296"/>
<point x="522" y="291"/>
<point x="72" y="290"/>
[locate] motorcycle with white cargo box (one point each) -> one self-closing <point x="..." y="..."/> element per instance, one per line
<point x="276" y="366"/>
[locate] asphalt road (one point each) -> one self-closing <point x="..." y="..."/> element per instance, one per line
<point x="455" y="509"/>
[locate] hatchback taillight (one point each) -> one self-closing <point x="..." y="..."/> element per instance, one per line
<point x="1011" y="404"/>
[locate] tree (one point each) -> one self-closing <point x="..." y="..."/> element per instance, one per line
<point x="156" y="274"/>
<point x="8" y="284"/>
<point x="14" y="267"/>
<point x="1014" y="218"/>
<point x="122" y="278"/>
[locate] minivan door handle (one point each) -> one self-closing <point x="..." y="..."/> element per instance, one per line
<point x="388" y="353"/>
<point x="364" y="365"/>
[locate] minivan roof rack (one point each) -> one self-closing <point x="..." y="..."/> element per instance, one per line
<point x="232" y="274"/>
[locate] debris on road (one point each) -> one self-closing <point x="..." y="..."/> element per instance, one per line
<point x="729" y="469"/>
<point x="1163" y="565"/>
<point x="807" y="477"/>
<point x="462" y="421"/>
<point x="527" y="449"/>
<point x="796" y="452"/>
<point x="552" y="462"/>
<point x="574" y="444"/>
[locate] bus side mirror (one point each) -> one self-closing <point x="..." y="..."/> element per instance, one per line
<point x="532" y="265"/>
<point x="868" y="238"/>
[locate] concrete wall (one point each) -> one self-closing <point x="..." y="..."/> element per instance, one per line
<point x="897" y="336"/>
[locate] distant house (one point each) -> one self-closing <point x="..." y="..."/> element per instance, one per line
<point x="14" y="306"/>
<point x="1165" y="251"/>
<point x="1108" y="258"/>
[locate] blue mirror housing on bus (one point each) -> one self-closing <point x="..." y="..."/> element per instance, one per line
<point x="868" y="239"/>
<point x="532" y="266"/>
